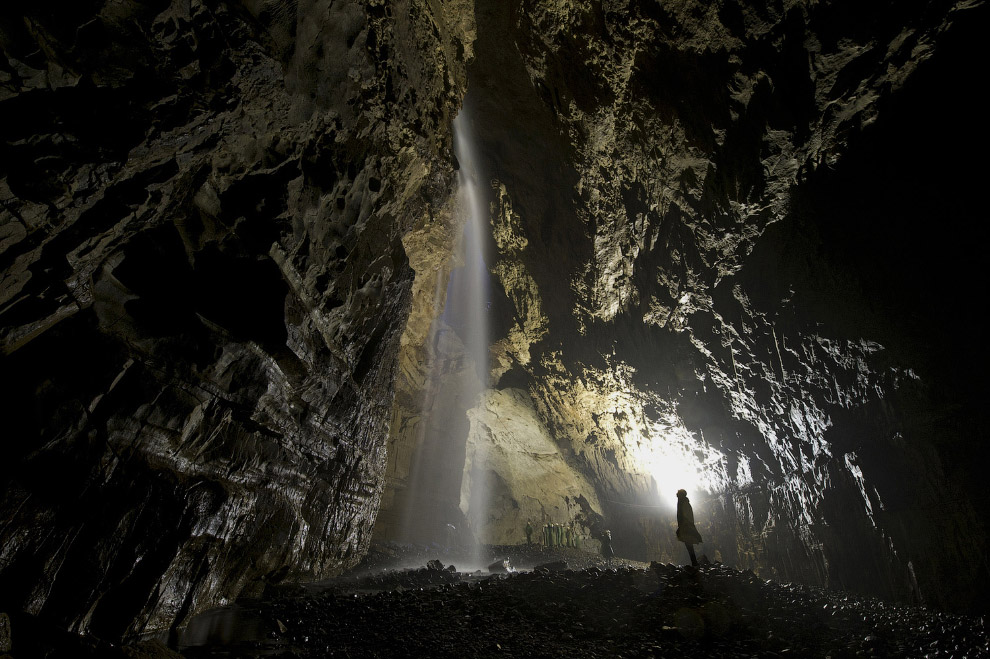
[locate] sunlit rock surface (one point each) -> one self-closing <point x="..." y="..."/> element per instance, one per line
<point x="524" y="472"/>
<point x="203" y="287"/>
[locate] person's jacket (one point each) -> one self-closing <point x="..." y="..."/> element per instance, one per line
<point x="685" y="523"/>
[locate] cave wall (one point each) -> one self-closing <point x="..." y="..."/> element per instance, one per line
<point x="203" y="289"/>
<point x="697" y="210"/>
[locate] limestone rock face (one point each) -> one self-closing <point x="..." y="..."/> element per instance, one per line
<point x="679" y="196"/>
<point x="203" y="284"/>
<point x="516" y="473"/>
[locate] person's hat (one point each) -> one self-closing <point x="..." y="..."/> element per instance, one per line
<point x="682" y="493"/>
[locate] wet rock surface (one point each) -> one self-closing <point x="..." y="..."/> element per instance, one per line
<point x="203" y="283"/>
<point x="631" y="610"/>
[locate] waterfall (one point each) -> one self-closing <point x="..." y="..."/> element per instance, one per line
<point x="468" y="296"/>
<point x="456" y="375"/>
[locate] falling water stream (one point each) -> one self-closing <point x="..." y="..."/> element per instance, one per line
<point x="468" y="303"/>
<point x="468" y="296"/>
<point x="435" y="510"/>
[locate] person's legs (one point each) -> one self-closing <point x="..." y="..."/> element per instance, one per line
<point x="690" y="548"/>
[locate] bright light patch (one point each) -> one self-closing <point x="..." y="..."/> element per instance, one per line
<point x="657" y="445"/>
<point x="744" y="475"/>
<point x="678" y="460"/>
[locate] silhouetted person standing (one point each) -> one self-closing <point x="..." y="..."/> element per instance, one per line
<point x="686" y="532"/>
<point x="607" y="552"/>
<point x="529" y="532"/>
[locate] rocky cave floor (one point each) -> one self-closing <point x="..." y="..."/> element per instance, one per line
<point x="563" y="602"/>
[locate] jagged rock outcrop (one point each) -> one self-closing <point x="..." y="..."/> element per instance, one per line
<point x="203" y="287"/>
<point x="684" y="308"/>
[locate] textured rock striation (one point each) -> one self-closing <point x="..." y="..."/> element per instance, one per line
<point x="702" y="221"/>
<point x="203" y="288"/>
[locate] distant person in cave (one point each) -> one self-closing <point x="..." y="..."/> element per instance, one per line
<point x="607" y="552"/>
<point x="529" y="532"/>
<point x="686" y="532"/>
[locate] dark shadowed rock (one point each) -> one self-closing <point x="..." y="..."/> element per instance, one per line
<point x="590" y="613"/>
<point x="202" y="288"/>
